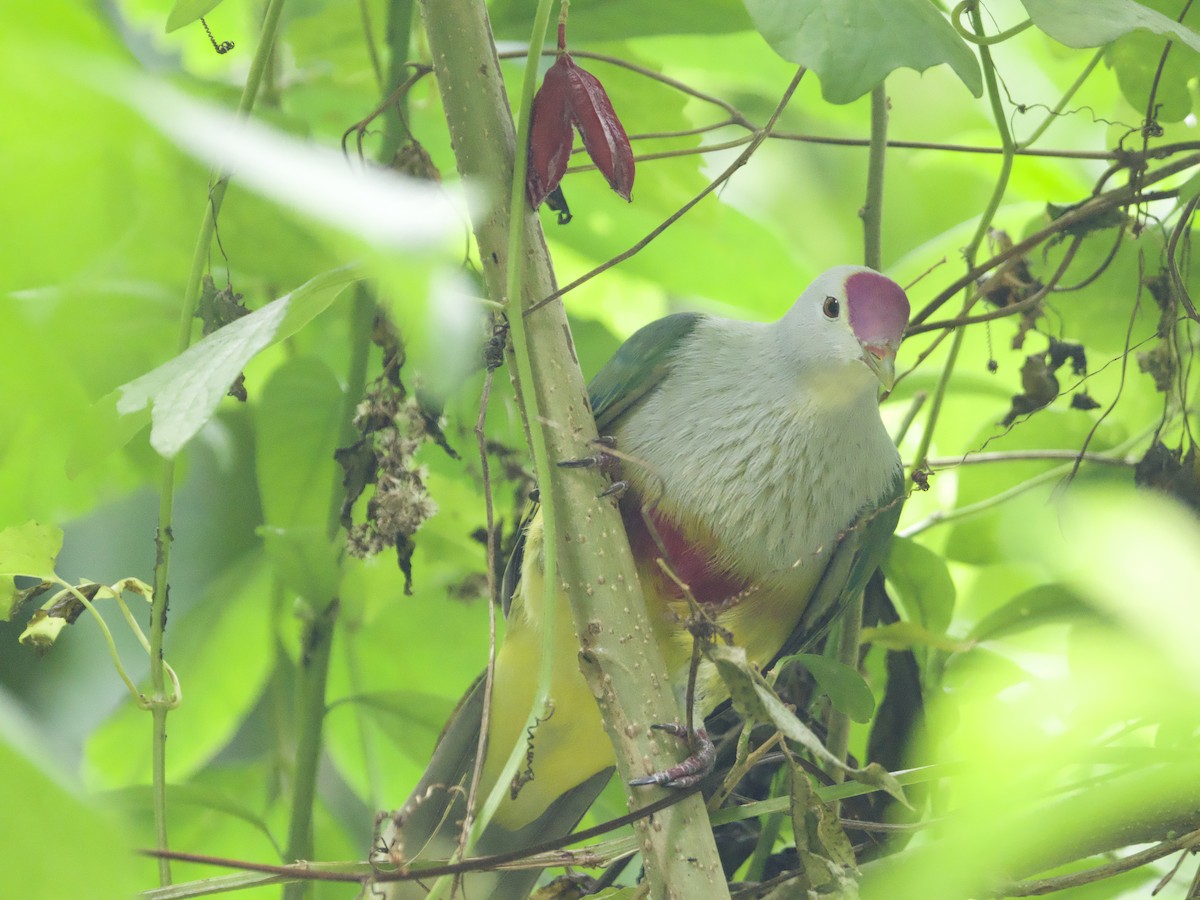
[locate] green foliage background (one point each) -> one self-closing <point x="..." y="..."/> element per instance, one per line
<point x="1057" y="623"/>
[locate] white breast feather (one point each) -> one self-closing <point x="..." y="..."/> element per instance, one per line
<point x="773" y="459"/>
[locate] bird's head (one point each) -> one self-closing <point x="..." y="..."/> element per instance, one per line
<point x="852" y="315"/>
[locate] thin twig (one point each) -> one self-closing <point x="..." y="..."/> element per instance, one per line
<point x="489" y="673"/>
<point x="1030" y="302"/>
<point x="1137" y="304"/>
<point x="1036" y="887"/>
<point x="734" y="113"/>
<point x="364" y="13"/>
<point x="1172" y="261"/>
<point x="1003" y="456"/>
<point x="739" y="770"/>
<point x="947" y="148"/>
<point x="514" y="294"/>
<point x="1052" y="115"/>
<point x="674" y="154"/>
<point x="1117" y="457"/>
<point x="304" y="871"/>
<point x="1097" y="204"/>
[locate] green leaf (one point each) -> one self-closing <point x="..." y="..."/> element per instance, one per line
<point x="607" y="20"/>
<point x="388" y="210"/>
<point x="102" y="860"/>
<point x="28" y="549"/>
<point x="1136" y="57"/>
<point x="846" y="688"/>
<point x="185" y="391"/>
<point x="827" y="863"/>
<point x="1092" y="23"/>
<point x="296" y="433"/>
<point x="853" y="44"/>
<point x="1041" y="605"/>
<point x="304" y="559"/>
<point x="140" y="798"/>
<point x="184" y="12"/>
<point x="814" y="824"/>
<point x="755" y="700"/>
<point x="411" y="720"/>
<point x="1133" y="555"/>
<point x="977" y="539"/>
<point x="923" y="582"/>
<point x="984" y="671"/>
<point x="905" y="635"/>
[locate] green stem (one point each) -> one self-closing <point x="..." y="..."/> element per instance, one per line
<point x="166" y="485"/>
<point x="364" y="13"/>
<point x="838" y="740"/>
<point x="399" y="35"/>
<point x="533" y="417"/>
<point x="976" y="35"/>
<point x="310" y="713"/>
<point x="158" y="624"/>
<point x="772" y="825"/>
<point x="972" y="249"/>
<point x="318" y="633"/>
<point x="362" y="318"/>
<point x="873" y="208"/>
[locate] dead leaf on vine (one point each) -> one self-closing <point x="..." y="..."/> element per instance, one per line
<point x="1040" y="387"/>
<point x="1171" y="472"/>
<point x="1159" y="363"/>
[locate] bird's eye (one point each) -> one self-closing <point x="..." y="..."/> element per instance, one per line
<point x="831" y="307"/>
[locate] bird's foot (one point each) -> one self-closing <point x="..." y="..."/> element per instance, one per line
<point x="608" y="463"/>
<point x="597" y="459"/>
<point x="695" y="768"/>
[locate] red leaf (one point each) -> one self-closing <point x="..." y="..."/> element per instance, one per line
<point x="603" y="135"/>
<point x="550" y="133"/>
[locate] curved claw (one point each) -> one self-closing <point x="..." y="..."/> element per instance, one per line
<point x="616" y="489"/>
<point x="695" y="768"/>
<point x="586" y="462"/>
<point x="606" y="461"/>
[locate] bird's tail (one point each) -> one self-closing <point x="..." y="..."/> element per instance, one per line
<point x="427" y="827"/>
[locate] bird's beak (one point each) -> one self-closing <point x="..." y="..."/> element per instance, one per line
<point x="881" y="359"/>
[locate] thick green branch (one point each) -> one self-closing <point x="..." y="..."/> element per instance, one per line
<point x="619" y="657"/>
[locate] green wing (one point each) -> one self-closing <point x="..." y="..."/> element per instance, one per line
<point x="858" y="554"/>
<point x="637" y="367"/>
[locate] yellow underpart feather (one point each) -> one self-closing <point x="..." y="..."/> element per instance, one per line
<point x="568" y="746"/>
